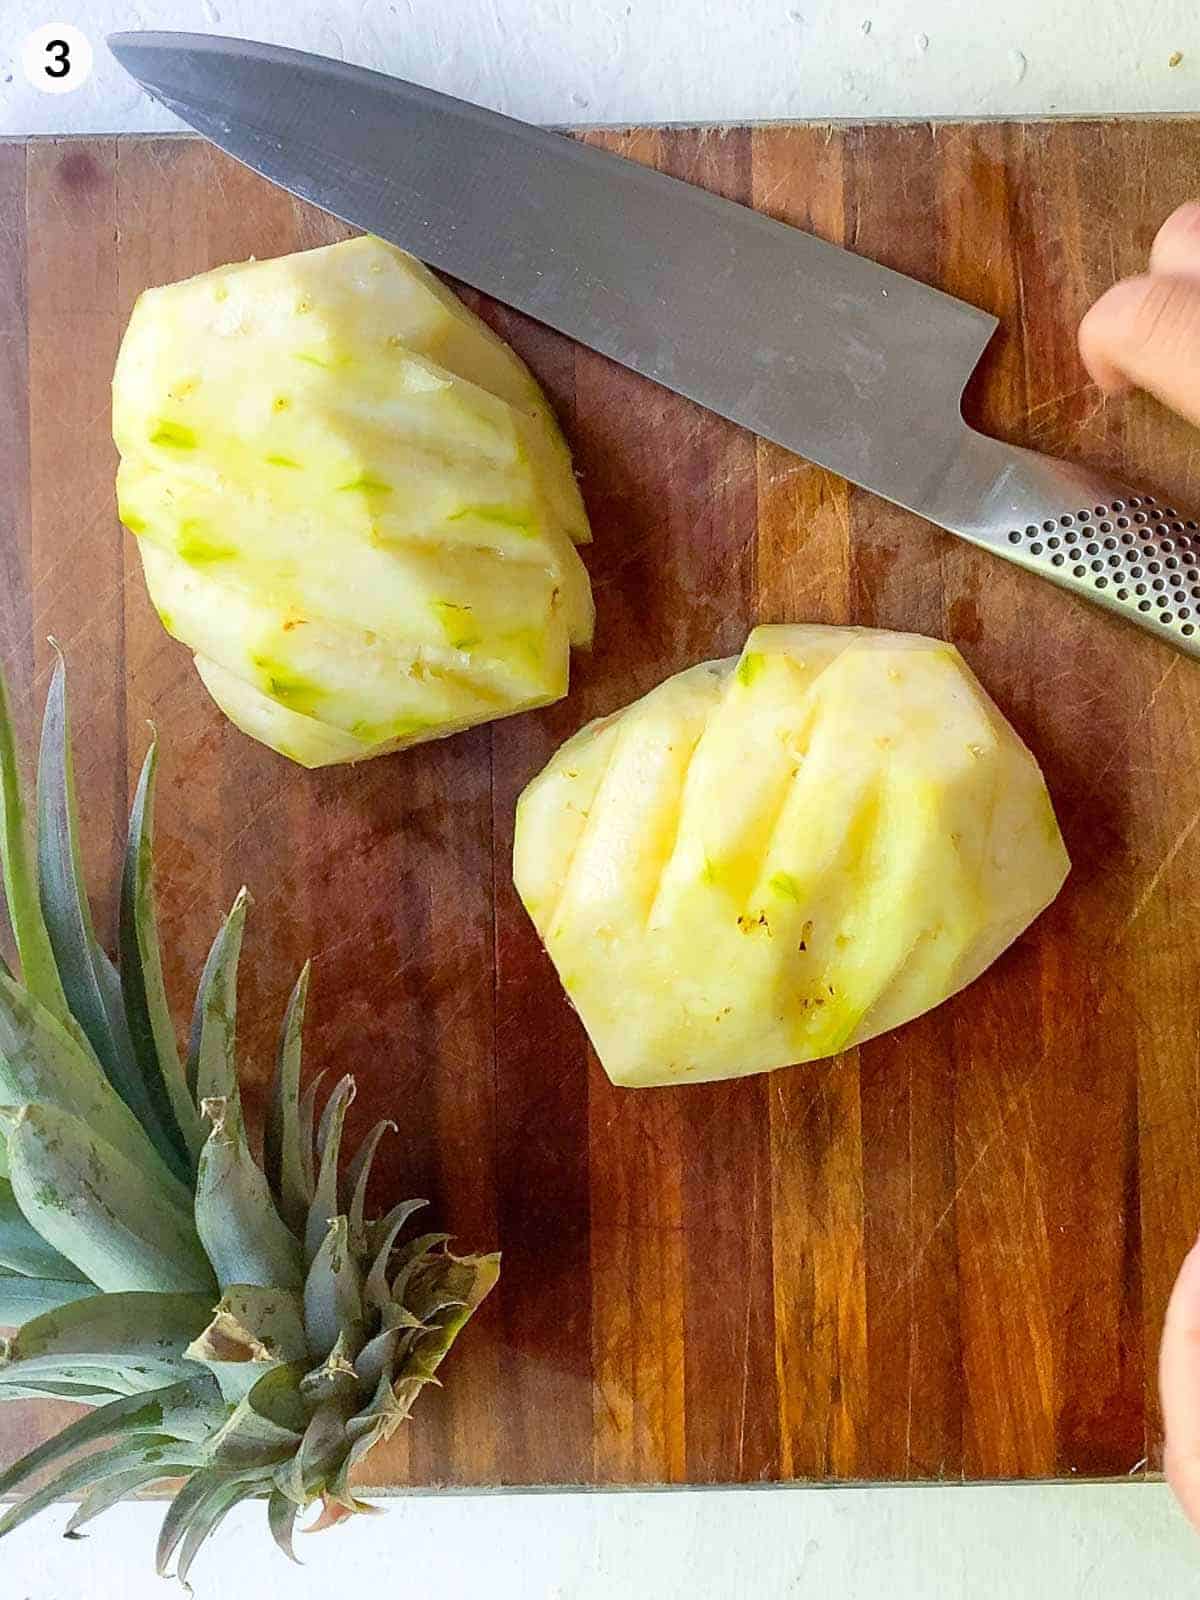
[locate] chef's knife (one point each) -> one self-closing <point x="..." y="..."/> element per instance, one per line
<point x="856" y="367"/>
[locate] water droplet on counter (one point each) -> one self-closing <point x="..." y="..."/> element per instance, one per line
<point x="922" y="41"/>
<point x="1019" y="63"/>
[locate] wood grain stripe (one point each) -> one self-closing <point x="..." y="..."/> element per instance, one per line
<point x="14" y="435"/>
<point x="77" y="575"/>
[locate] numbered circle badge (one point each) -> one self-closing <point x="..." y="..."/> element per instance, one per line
<point x="57" y="58"/>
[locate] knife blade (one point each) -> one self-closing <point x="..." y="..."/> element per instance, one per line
<point x="856" y="367"/>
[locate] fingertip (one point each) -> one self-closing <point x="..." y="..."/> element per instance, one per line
<point x="1176" y="247"/>
<point x="1146" y="331"/>
<point x="1102" y="333"/>
<point x="1179" y="1384"/>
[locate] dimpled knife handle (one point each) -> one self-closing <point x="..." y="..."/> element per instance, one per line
<point x="1121" y="548"/>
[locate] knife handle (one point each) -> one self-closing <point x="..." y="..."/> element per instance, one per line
<point x="1121" y="548"/>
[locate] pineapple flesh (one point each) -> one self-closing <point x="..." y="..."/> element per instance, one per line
<point x="769" y="859"/>
<point x="248" y="1328"/>
<point x="352" y="502"/>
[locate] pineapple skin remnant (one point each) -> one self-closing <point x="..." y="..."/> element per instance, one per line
<point x="769" y="859"/>
<point x="352" y="502"/>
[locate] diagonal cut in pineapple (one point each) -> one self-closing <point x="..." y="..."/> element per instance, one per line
<point x="769" y="859"/>
<point x="352" y="501"/>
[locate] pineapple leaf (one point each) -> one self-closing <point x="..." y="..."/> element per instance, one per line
<point x="332" y="1113"/>
<point x="376" y="1357"/>
<point x="158" y="1117"/>
<point x="252" y="1331"/>
<point x="100" y="1211"/>
<point x="357" y="1178"/>
<point x="23" y="1250"/>
<point x="246" y="1240"/>
<point x="41" y="1062"/>
<point x="22" y="1298"/>
<point x="20" y="878"/>
<point x="334" y="1379"/>
<point x="145" y="1333"/>
<point x="319" y="1455"/>
<point x="324" y="1205"/>
<point x="385" y="1230"/>
<point x="281" y="1516"/>
<point x="200" y="1504"/>
<point x="308" y="1111"/>
<point x="89" y="980"/>
<point x="206" y="1518"/>
<point x="59" y="1380"/>
<point x="267" y="1424"/>
<point x="151" y="1029"/>
<point x="379" y="1293"/>
<point x="212" y="1058"/>
<point x="142" y="1449"/>
<point x="110" y="1261"/>
<point x="79" y="1394"/>
<point x="118" y="1486"/>
<point x="474" y="1278"/>
<point x="132" y="1414"/>
<point x="333" y="1300"/>
<point x="283" y="1161"/>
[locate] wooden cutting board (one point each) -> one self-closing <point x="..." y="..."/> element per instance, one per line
<point x="948" y="1252"/>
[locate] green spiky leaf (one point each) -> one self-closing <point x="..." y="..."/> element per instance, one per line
<point x="23" y="1298"/>
<point x="324" y="1206"/>
<point x="119" y="1486"/>
<point x="141" y="1450"/>
<point x="24" y="1250"/>
<point x="333" y="1299"/>
<point x="97" y="1209"/>
<point x="151" y="1030"/>
<point x="212" y="1058"/>
<point x="252" y="1331"/>
<point x="41" y="1062"/>
<point x="122" y="1331"/>
<point x="89" y="980"/>
<point x="308" y="1112"/>
<point x="358" y="1176"/>
<point x="283" y="1160"/>
<point x="38" y="969"/>
<point x="246" y="1239"/>
<point x="207" y="1516"/>
<point x="281" y="1516"/>
<point x="178" y="1302"/>
<point x="133" y="1414"/>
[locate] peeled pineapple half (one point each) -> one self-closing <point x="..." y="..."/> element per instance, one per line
<point x="352" y="501"/>
<point x="769" y="859"/>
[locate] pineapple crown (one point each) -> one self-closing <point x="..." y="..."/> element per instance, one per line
<point x="244" y="1327"/>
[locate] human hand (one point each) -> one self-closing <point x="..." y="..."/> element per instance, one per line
<point x="1145" y="332"/>
<point x="1179" y="1383"/>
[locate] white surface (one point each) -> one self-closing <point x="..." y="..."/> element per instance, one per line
<point x="671" y="60"/>
<point x="651" y="60"/>
<point x="1038" y="1542"/>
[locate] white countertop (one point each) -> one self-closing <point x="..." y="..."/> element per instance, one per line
<point x="596" y="61"/>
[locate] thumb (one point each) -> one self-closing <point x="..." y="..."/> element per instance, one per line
<point x="1146" y="332"/>
<point x="1179" y="1380"/>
